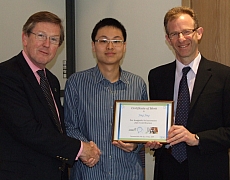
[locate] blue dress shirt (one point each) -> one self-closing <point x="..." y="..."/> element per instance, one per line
<point x="88" y="105"/>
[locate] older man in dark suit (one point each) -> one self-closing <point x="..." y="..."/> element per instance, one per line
<point x="205" y="131"/>
<point x="33" y="144"/>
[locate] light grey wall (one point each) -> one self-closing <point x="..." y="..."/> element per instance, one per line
<point x="146" y="45"/>
<point x="13" y="15"/>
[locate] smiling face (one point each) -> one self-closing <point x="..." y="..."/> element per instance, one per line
<point x="107" y="54"/>
<point x="41" y="52"/>
<point x="186" y="47"/>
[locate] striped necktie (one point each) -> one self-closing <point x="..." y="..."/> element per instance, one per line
<point x="46" y="91"/>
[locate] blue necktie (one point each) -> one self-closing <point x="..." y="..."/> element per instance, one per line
<point x="183" y="102"/>
<point x="46" y="91"/>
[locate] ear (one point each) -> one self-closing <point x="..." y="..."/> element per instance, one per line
<point x="199" y="31"/>
<point x="124" y="47"/>
<point x="167" y="39"/>
<point x="93" y="46"/>
<point x="24" y="39"/>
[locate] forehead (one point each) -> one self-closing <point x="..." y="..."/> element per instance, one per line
<point x="109" y="32"/>
<point x="183" y="21"/>
<point x="49" y="28"/>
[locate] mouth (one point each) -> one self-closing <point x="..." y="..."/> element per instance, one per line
<point x="44" y="52"/>
<point x="183" y="46"/>
<point x="109" y="54"/>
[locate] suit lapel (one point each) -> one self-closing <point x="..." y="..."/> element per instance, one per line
<point x="170" y="78"/>
<point x="55" y="88"/>
<point x="28" y="73"/>
<point x="204" y="73"/>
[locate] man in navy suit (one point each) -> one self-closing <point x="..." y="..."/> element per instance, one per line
<point x="207" y="133"/>
<point x="32" y="147"/>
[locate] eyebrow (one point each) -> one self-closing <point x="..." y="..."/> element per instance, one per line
<point x="46" y="33"/>
<point x="105" y="37"/>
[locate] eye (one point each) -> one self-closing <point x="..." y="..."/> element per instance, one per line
<point x="116" y="41"/>
<point x="173" y="34"/>
<point x="41" y="36"/>
<point x="103" y="41"/>
<point x="186" y="32"/>
<point x="54" y="39"/>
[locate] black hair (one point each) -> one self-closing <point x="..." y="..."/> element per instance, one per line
<point x="108" y="22"/>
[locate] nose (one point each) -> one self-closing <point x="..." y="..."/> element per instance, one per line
<point x="181" y="36"/>
<point x="110" y="45"/>
<point x="46" y="42"/>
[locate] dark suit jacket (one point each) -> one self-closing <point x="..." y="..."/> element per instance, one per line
<point x="31" y="147"/>
<point x="209" y="117"/>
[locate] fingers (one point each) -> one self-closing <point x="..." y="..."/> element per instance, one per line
<point x="176" y="134"/>
<point x="127" y="147"/>
<point x="90" y="154"/>
<point x="91" y="162"/>
<point x="179" y="134"/>
<point x="153" y="145"/>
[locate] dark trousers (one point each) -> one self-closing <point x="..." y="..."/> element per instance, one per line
<point x="170" y="169"/>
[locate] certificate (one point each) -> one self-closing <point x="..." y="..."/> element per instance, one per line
<point x="142" y="121"/>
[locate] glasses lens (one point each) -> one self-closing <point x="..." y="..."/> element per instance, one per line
<point x="54" y="40"/>
<point x="105" y="42"/>
<point x="173" y="35"/>
<point x="117" y="43"/>
<point x="186" y="32"/>
<point x="41" y="36"/>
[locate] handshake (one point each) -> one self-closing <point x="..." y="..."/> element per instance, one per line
<point x="90" y="154"/>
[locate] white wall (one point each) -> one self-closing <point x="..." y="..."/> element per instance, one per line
<point x="13" y="15"/>
<point x="146" y="45"/>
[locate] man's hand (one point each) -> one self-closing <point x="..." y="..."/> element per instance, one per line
<point x="90" y="154"/>
<point x="127" y="147"/>
<point x="153" y="145"/>
<point x="179" y="134"/>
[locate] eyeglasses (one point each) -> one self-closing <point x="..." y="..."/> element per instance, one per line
<point x="105" y="42"/>
<point x="42" y="37"/>
<point x="186" y="32"/>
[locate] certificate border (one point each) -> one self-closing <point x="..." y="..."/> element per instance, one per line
<point x="116" y="123"/>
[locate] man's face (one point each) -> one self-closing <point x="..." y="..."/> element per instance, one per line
<point x="185" y="46"/>
<point x="41" y="52"/>
<point x="109" y="53"/>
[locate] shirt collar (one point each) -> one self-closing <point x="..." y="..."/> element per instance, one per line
<point x="99" y="76"/>
<point x="31" y="65"/>
<point x="193" y="65"/>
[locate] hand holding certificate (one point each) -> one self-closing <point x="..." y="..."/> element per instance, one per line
<point x="142" y="121"/>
